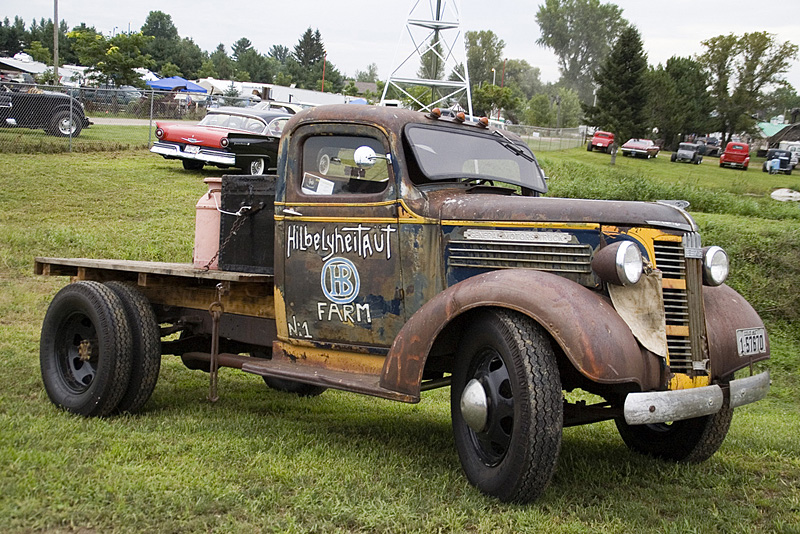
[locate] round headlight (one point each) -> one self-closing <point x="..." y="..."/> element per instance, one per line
<point x="620" y="263"/>
<point x="629" y="263"/>
<point x="715" y="266"/>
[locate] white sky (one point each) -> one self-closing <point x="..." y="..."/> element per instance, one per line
<point x="359" y="32"/>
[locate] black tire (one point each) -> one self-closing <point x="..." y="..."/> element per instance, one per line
<point x="289" y="386"/>
<point x="146" y="347"/>
<point x="63" y="122"/>
<point x="589" y="147"/>
<point x="691" y="440"/>
<point x="193" y="165"/>
<point x="85" y="349"/>
<point x="673" y="158"/>
<point x="514" y="455"/>
<point x="699" y="160"/>
<point x="257" y="166"/>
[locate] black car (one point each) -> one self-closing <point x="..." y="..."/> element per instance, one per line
<point x="26" y="106"/>
<point x="778" y="161"/>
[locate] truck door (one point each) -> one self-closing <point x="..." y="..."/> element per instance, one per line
<point x="341" y="279"/>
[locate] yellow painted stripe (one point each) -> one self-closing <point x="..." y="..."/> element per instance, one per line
<point x="351" y="220"/>
<point x="521" y="224"/>
<point x="673" y="283"/>
<point x="338" y="204"/>
<point x="677" y="330"/>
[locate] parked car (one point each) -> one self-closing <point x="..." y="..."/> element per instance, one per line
<point x="794" y="149"/>
<point x="709" y="146"/>
<point x="600" y="141"/>
<point x="107" y="95"/>
<point x="736" y="155"/>
<point x="27" y="106"/>
<point x="207" y="143"/>
<point x="687" y="152"/>
<point x="645" y="148"/>
<point x="778" y="161"/>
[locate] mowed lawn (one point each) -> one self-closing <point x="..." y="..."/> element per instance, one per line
<point x="263" y="461"/>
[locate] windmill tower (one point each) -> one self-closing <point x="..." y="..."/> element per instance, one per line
<point x="431" y="60"/>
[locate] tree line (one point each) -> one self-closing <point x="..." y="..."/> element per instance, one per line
<point x="605" y="79"/>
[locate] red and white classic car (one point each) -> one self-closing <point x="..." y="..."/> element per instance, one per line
<point x="207" y="143"/>
<point x="644" y="148"/>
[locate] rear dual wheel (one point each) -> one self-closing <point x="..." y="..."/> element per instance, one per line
<point x="506" y="406"/>
<point x="95" y="355"/>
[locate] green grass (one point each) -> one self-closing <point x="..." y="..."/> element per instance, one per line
<point x="95" y="138"/>
<point x="262" y="461"/>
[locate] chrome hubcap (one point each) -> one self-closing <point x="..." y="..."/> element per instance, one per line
<point x="475" y="406"/>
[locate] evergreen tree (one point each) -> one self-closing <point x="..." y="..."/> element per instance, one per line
<point x="309" y="50"/>
<point x="621" y="89"/>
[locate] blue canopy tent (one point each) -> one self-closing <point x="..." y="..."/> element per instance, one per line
<point x="176" y="82"/>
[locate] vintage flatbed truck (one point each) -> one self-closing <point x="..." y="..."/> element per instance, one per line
<point x="397" y="252"/>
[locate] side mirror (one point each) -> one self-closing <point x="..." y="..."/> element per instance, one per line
<point x="365" y="157"/>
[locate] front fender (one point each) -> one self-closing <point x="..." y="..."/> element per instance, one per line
<point x="585" y="325"/>
<point x="726" y="312"/>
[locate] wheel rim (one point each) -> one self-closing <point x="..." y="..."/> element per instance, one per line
<point x="493" y="442"/>
<point x="257" y="166"/>
<point x="77" y="352"/>
<point x="65" y="126"/>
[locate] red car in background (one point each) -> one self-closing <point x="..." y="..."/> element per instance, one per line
<point x="207" y="143"/>
<point x="601" y="141"/>
<point x="736" y="155"/>
<point x="640" y="147"/>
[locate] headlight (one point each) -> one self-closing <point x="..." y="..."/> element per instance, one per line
<point x="620" y="263"/>
<point x="715" y="266"/>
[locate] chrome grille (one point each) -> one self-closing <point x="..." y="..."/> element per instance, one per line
<point x="553" y="257"/>
<point x="670" y="259"/>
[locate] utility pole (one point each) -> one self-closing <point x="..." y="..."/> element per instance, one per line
<point x="55" y="41"/>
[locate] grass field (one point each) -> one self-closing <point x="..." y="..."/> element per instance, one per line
<point x="263" y="461"/>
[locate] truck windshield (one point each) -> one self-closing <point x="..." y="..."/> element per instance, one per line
<point x="450" y="154"/>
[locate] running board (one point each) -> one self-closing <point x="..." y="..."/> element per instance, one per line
<point x="365" y="384"/>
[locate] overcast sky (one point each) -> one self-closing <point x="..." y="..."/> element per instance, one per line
<point x="359" y="32"/>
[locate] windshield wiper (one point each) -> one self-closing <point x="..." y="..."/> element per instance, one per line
<point x="511" y="146"/>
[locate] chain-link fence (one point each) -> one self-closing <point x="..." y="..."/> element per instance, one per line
<point x="543" y="139"/>
<point x="46" y="118"/>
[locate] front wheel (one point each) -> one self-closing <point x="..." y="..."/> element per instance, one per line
<point x="65" y="124"/>
<point x="589" y="147"/>
<point x="506" y="406"/>
<point x="85" y="349"/>
<point x="692" y="440"/>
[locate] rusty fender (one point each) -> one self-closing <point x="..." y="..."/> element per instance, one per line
<point x="583" y="323"/>
<point x="726" y="312"/>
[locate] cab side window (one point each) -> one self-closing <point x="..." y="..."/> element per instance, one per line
<point x="329" y="166"/>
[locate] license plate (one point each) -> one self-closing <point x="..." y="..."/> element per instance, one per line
<point x="192" y="149"/>
<point x="751" y="341"/>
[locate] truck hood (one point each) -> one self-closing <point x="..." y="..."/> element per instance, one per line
<point x="194" y="134"/>
<point x="488" y="207"/>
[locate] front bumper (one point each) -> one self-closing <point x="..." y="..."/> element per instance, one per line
<point x="664" y="406"/>
<point x="208" y="155"/>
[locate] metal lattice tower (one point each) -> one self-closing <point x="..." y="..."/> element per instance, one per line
<point x="430" y="52"/>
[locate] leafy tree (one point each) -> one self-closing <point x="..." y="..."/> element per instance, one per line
<point x="207" y="70"/>
<point x="40" y="53"/>
<point x="678" y="99"/>
<point x="784" y="100"/>
<point x="741" y="70"/>
<point x="350" y="89"/>
<point x="580" y="33"/>
<point x="165" y="39"/>
<point x="260" y="68"/>
<point x="369" y="75"/>
<point x="621" y="91"/>
<point x="484" y="53"/>
<point x="519" y="73"/>
<point x="115" y="60"/>
<point x="169" y="70"/>
<point x="488" y="98"/>
<point x="537" y="112"/>
<point x="432" y="62"/>
<point x="189" y="58"/>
